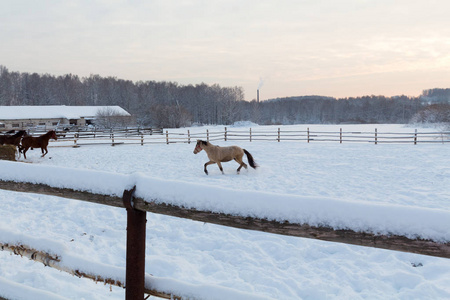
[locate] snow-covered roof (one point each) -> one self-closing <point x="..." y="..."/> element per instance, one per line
<point x="56" y="112"/>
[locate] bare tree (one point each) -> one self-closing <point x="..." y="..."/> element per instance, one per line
<point x="110" y="118"/>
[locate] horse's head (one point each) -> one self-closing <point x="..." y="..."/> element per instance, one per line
<point x="21" y="133"/>
<point x="198" y="146"/>
<point x="53" y="135"/>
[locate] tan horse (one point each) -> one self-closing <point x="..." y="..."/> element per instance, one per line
<point x="217" y="155"/>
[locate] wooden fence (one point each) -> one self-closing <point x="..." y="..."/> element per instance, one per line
<point x="110" y="137"/>
<point x="308" y="136"/>
<point x="154" y="136"/>
<point x="136" y="219"/>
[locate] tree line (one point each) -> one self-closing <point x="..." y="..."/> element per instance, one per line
<point x="169" y="104"/>
<point x="162" y="104"/>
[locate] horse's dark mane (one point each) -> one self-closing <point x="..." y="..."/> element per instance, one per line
<point x="49" y="133"/>
<point x="19" y="133"/>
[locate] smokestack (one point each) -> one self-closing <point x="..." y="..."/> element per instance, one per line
<point x="257" y="95"/>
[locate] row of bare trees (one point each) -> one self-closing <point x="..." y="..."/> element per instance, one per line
<point x="168" y="104"/>
<point x="317" y="109"/>
<point x="162" y="104"/>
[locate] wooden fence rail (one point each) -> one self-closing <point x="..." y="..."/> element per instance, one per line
<point x="391" y="242"/>
<point x="142" y="137"/>
<point x="53" y="261"/>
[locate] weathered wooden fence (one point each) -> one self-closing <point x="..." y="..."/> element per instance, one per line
<point x="340" y="136"/>
<point x="136" y="220"/>
<point x="111" y="136"/>
<point x="142" y="137"/>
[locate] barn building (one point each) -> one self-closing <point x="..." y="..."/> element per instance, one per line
<point x="53" y="116"/>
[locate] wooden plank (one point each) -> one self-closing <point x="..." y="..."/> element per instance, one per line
<point x="43" y="189"/>
<point x="347" y="236"/>
<point x="54" y="261"/>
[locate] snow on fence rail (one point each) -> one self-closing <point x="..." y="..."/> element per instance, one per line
<point x="153" y="136"/>
<point x="320" y="136"/>
<point x="422" y="231"/>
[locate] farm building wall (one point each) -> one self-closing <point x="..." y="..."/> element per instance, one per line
<point x="6" y="125"/>
<point x="51" y="117"/>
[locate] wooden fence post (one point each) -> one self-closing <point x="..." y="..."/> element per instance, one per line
<point x="207" y="135"/>
<point x="112" y="139"/>
<point x="225" y="134"/>
<point x="415" y="137"/>
<point x="135" y="260"/>
<point x="167" y="137"/>
<point x="376" y="136"/>
<point x="142" y="139"/>
<point x="307" y="134"/>
<point x="189" y="137"/>
<point x="278" y="134"/>
<point x="250" y="134"/>
<point x="340" y="135"/>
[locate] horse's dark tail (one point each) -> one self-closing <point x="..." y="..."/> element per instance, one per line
<point x="251" y="161"/>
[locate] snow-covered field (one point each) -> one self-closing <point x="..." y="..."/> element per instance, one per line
<point x="387" y="187"/>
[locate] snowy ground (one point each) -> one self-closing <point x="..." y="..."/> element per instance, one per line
<point x="223" y="263"/>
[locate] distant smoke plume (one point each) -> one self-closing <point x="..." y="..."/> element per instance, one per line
<point x="261" y="82"/>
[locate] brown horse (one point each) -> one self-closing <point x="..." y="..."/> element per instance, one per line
<point x="217" y="155"/>
<point x="38" y="142"/>
<point x="13" y="139"/>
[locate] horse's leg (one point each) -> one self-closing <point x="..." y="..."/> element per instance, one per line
<point x="220" y="167"/>
<point x="241" y="163"/>
<point x="25" y="149"/>
<point x="208" y="163"/>
<point x="42" y="150"/>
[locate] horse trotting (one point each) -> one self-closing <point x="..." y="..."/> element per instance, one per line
<point x="38" y="142"/>
<point x="217" y="155"/>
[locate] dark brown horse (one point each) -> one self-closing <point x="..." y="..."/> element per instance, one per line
<point x="217" y="155"/>
<point x="38" y="142"/>
<point x="13" y="139"/>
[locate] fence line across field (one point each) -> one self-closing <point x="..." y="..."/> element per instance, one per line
<point x="137" y="208"/>
<point x="161" y="136"/>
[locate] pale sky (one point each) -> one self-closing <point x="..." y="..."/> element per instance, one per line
<point x="338" y="48"/>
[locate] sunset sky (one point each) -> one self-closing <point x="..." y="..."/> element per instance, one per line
<point x="332" y="48"/>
